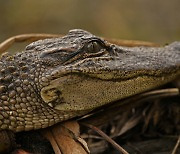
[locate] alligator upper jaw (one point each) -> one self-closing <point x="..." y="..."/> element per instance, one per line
<point x="126" y="62"/>
<point x="108" y="68"/>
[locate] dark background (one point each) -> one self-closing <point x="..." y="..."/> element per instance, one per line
<point x="148" y="20"/>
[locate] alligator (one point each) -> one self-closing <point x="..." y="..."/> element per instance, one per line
<point x="56" y="79"/>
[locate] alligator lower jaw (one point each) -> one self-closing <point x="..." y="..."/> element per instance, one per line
<point x="82" y="93"/>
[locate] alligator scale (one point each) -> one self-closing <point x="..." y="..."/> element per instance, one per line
<point x="56" y="79"/>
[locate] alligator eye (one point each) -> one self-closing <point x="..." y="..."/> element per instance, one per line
<point x="94" y="46"/>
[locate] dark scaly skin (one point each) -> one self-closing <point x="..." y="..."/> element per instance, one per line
<point x="21" y="106"/>
<point x="34" y="83"/>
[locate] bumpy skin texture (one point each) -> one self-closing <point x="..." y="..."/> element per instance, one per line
<point x="34" y="83"/>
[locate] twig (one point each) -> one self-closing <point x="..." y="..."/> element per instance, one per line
<point x="107" y="138"/>
<point x="33" y="37"/>
<point x="176" y="146"/>
<point x="49" y="135"/>
<point x="23" y="38"/>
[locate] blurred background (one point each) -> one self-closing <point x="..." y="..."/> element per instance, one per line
<point x="156" y="20"/>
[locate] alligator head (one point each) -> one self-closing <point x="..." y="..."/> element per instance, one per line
<point x="60" y="78"/>
<point x="85" y="71"/>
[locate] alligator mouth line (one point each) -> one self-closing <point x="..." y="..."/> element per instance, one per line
<point x="115" y="75"/>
